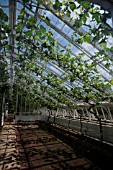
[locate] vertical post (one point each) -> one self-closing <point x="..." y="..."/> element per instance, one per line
<point x="17" y="102"/>
<point x="25" y="104"/>
<point x="89" y="116"/>
<point x="96" y="111"/>
<point x="74" y="114"/>
<point x="110" y="116"/>
<point x="3" y="104"/>
<point x="57" y="112"/>
<point x="63" y="113"/>
<point x="37" y="109"/>
<point x="21" y="103"/>
<point x="81" y="121"/>
<point x="29" y="106"/>
<point x="53" y="113"/>
<point x="87" y="113"/>
<point x="83" y="112"/>
<point x="103" y="113"/>
<point x="112" y="17"/>
<point x="12" y="21"/>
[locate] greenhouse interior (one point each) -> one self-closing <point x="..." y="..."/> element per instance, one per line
<point x="56" y="84"/>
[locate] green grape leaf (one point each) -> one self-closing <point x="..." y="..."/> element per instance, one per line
<point x="43" y="29"/>
<point x="111" y="81"/>
<point x="72" y="6"/>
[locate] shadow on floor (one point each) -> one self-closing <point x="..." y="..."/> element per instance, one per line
<point x="26" y="147"/>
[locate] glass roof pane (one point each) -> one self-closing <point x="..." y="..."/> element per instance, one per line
<point x="6" y="10"/>
<point x="64" y="42"/>
<point x="63" y="27"/>
<point x="19" y="5"/>
<point x="4" y="2"/>
<point x="54" y="69"/>
<point x="51" y="16"/>
<point x="66" y="28"/>
<point x="104" y="73"/>
<point x="66" y="37"/>
<point x="90" y="48"/>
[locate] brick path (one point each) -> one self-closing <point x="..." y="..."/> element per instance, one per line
<point x="28" y="147"/>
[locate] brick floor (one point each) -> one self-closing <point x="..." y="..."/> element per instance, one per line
<point x="28" y="147"/>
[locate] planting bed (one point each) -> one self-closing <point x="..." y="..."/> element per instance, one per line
<point x="29" y="147"/>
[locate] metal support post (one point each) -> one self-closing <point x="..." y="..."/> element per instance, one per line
<point x="103" y="113"/>
<point x="109" y="113"/>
